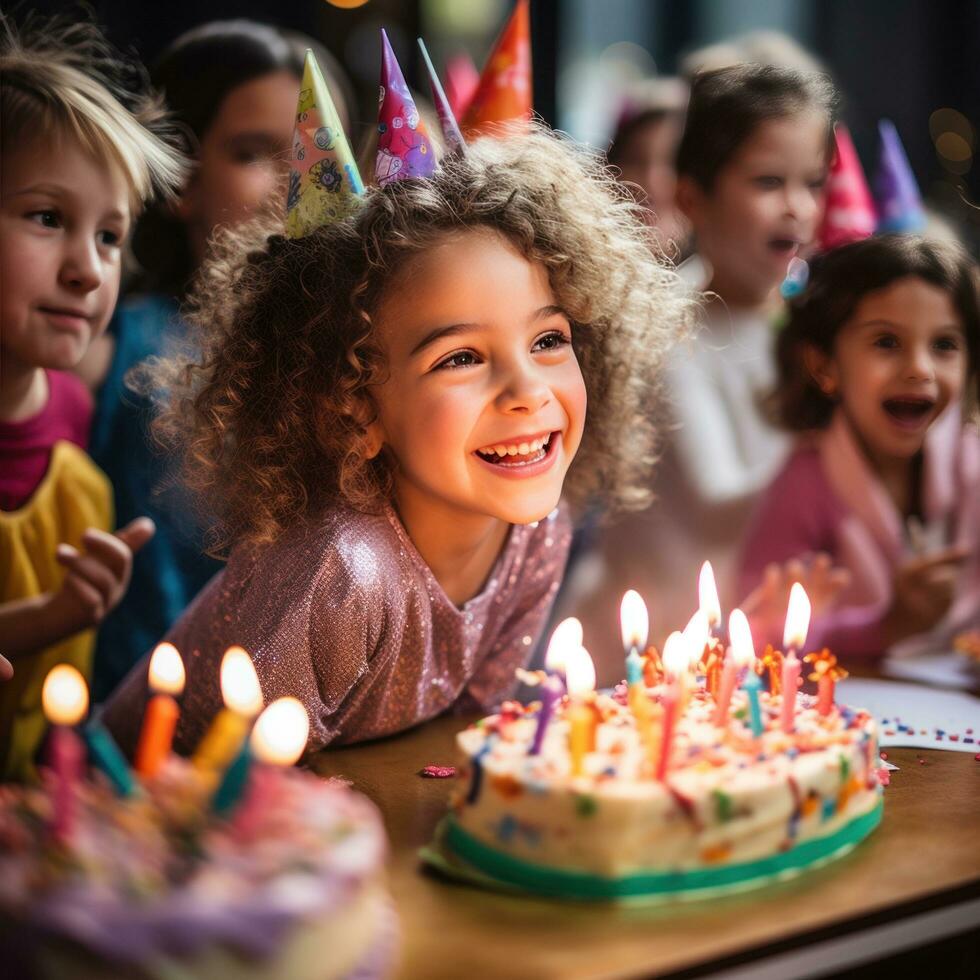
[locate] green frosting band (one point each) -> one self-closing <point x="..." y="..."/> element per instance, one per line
<point x="582" y="885"/>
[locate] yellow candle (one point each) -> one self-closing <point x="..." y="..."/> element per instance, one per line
<point x="160" y="719"/>
<point x="580" y="680"/>
<point x="242" y="695"/>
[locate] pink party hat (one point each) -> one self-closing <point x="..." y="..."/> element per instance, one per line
<point x="404" y="148"/>
<point x="896" y="192"/>
<point x="850" y="214"/>
<point x="462" y="79"/>
<point x="451" y="135"/>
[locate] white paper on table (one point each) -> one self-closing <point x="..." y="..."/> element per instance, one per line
<point x="926" y="711"/>
<point x="937" y="669"/>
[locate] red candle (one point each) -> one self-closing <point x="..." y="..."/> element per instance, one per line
<point x="64" y="697"/>
<point x="825" y="694"/>
<point x="790" y="682"/>
<point x="669" y="701"/>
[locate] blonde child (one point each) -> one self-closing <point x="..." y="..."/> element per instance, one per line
<point x="384" y="417"/>
<point x="80" y="151"/>
<point x="878" y="362"/>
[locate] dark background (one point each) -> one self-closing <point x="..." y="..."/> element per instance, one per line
<point x="901" y="59"/>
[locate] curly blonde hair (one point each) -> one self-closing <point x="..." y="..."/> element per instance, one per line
<point x="270" y="412"/>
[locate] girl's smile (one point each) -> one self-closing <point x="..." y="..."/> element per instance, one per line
<point x="484" y="404"/>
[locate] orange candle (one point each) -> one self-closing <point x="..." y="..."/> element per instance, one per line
<point x="160" y="719"/>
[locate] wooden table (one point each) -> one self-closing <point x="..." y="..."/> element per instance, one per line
<point x="916" y="879"/>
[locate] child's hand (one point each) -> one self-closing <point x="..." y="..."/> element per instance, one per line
<point x="98" y="576"/>
<point x="766" y="604"/>
<point x="924" y="590"/>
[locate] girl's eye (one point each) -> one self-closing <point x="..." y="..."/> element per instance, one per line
<point x="818" y="185"/>
<point x="768" y="182"/>
<point x="947" y="344"/>
<point x="553" y="340"/>
<point x="109" y="238"/>
<point x="886" y="342"/>
<point x="461" y="359"/>
<point x="47" y="219"/>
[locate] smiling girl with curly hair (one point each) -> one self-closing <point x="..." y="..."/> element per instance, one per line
<point x="383" y="416"/>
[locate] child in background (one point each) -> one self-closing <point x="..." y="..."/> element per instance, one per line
<point x="879" y="360"/>
<point x="643" y="148"/>
<point x="82" y="147"/>
<point x="751" y="167"/>
<point x="234" y="84"/>
<point x="384" y="416"/>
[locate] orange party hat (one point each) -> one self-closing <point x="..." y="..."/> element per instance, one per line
<point x="504" y="92"/>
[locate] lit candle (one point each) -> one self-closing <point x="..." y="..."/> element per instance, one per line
<point x="160" y="719"/>
<point x="743" y="653"/>
<point x="567" y="636"/>
<point x="708" y="602"/>
<point x="580" y="679"/>
<point x="634" y="621"/>
<point x="794" y="636"/>
<point x="278" y="740"/>
<point x="242" y="696"/>
<point x="64" y="697"/>
<point x="634" y="624"/>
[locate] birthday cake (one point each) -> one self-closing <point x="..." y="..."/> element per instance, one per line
<point x="154" y="885"/>
<point x="726" y="806"/>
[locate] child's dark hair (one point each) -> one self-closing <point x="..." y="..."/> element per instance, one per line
<point x="839" y="280"/>
<point x="271" y="409"/>
<point x="727" y="105"/>
<point x="195" y="74"/>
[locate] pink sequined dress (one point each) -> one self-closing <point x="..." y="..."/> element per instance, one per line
<point x="348" y="618"/>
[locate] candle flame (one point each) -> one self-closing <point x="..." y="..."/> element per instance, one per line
<point x="797" y="618"/>
<point x="674" y="657"/>
<point x="64" y="695"/>
<point x="579" y="672"/>
<point x="696" y="636"/>
<point x="167" y="670"/>
<point x="740" y="634"/>
<point x="634" y="621"/>
<point x="567" y="636"/>
<point x="239" y="683"/>
<point x="280" y="732"/>
<point x="708" y="595"/>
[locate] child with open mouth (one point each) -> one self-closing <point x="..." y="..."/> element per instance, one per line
<point x="879" y="370"/>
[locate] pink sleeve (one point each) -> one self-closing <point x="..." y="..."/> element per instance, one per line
<point x="796" y="516"/>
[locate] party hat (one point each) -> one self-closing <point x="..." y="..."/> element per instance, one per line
<point x="896" y="192"/>
<point x="850" y="214"/>
<point x="462" y="79"/>
<point x="324" y="182"/>
<point x="404" y="148"/>
<point x="451" y="135"/>
<point x="504" y="91"/>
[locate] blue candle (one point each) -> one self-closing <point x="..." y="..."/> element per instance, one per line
<point x="634" y="667"/>
<point x="233" y="783"/>
<point x="104" y="754"/>
<point x="752" y="685"/>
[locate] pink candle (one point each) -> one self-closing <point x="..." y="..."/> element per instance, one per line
<point x="791" y="681"/>
<point x="669" y="701"/>
<point x="64" y="697"/>
<point x="66" y="757"/>
<point x="726" y="687"/>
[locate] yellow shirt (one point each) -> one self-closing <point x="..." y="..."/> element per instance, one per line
<point x="73" y="496"/>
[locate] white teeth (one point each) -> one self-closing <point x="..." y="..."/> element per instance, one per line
<point x="516" y="449"/>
